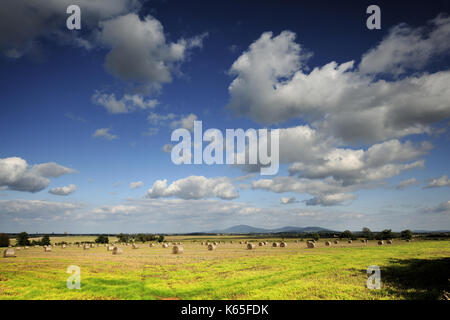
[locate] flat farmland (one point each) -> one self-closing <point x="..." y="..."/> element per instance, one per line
<point x="414" y="270"/>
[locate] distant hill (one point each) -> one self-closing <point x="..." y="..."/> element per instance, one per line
<point x="250" y="229"/>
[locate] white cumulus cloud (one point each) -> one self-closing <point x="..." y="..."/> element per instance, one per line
<point x="63" y="191"/>
<point x="194" y="187"/>
<point x="135" y="185"/>
<point x="16" y="174"/>
<point x="104" y="133"/>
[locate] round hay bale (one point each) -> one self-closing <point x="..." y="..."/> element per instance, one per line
<point x="110" y="248"/>
<point x="380" y="243"/>
<point x="92" y="245"/>
<point x="231" y="242"/>
<point x="261" y="244"/>
<point x="240" y="242"/>
<point x="135" y="246"/>
<point x="283" y="245"/>
<point x="350" y="241"/>
<point x="275" y="244"/>
<point x="63" y="246"/>
<point x="311" y="245"/>
<point x="202" y="243"/>
<point x="151" y="245"/>
<point x="165" y="245"/>
<point x="9" y="253"/>
<point x="327" y="243"/>
<point x="215" y="243"/>
<point x="117" y="250"/>
<point x="250" y="246"/>
<point x="177" y="249"/>
<point x="86" y="247"/>
<point x="389" y="242"/>
<point x="211" y="247"/>
<point x="47" y="249"/>
<point x="336" y="242"/>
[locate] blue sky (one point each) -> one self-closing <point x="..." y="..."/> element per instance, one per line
<point x="85" y="115"/>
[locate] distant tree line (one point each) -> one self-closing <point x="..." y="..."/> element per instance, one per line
<point x="23" y="239"/>
<point x="141" y="237"/>
<point x="365" y="233"/>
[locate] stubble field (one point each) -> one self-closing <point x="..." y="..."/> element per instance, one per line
<point x="414" y="270"/>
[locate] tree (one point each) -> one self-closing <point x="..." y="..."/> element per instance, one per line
<point x="366" y="233"/>
<point x="161" y="238"/>
<point x="386" y="234"/>
<point x="316" y="236"/>
<point x="102" y="239"/>
<point x="123" y="237"/>
<point x="347" y="234"/>
<point x="23" y="239"/>
<point x="4" y="240"/>
<point x="406" y="234"/>
<point x="45" y="240"/>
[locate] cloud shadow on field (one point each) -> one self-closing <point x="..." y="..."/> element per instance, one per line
<point x="417" y="279"/>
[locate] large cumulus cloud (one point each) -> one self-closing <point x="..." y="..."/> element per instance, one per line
<point x="16" y="174"/>
<point x="272" y="84"/>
